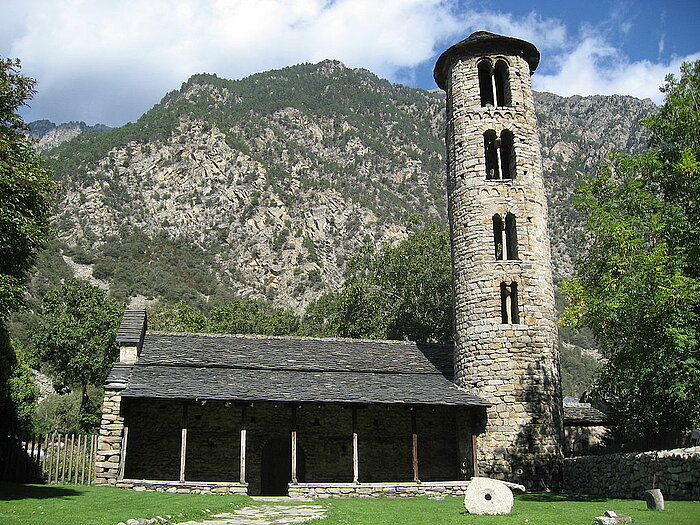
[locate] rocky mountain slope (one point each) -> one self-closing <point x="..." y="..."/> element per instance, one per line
<point x="49" y="135"/>
<point x="265" y="186"/>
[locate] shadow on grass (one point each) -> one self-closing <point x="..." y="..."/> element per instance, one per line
<point x="552" y="497"/>
<point x="15" y="491"/>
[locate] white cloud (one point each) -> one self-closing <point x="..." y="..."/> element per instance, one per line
<point x="545" y="33"/>
<point x="123" y="56"/>
<point x="106" y="61"/>
<point x="594" y="67"/>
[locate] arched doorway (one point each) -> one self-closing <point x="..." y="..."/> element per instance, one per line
<point x="276" y="468"/>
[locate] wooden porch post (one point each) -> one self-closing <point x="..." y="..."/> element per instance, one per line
<point x="183" y="444"/>
<point x="475" y="463"/>
<point x="243" y="445"/>
<point x="122" y="455"/>
<point x="294" y="445"/>
<point x="414" y="449"/>
<point x="355" y="449"/>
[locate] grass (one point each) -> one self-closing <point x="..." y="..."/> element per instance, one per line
<point x="79" y="505"/>
<point x="529" y="509"/>
<point x="84" y="505"/>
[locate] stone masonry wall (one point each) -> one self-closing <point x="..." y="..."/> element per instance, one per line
<point x="514" y="366"/>
<point x="675" y="472"/>
<point x="153" y="445"/>
<point x="109" y="442"/>
<point x="388" y="490"/>
<point x="192" y="487"/>
<point x="579" y="441"/>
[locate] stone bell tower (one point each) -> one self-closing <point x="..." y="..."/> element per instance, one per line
<point x="505" y="329"/>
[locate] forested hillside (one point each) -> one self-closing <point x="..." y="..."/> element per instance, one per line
<point x="265" y="186"/>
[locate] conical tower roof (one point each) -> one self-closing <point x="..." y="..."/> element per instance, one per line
<point x="484" y="42"/>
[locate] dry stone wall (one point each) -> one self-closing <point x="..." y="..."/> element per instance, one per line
<point x="676" y="472"/>
<point x="175" y="487"/>
<point x="387" y="490"/>
<point x="514" y="365"/>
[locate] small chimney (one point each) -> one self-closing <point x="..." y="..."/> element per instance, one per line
<point x="131" y="334"/>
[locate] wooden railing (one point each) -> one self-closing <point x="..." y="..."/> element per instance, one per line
<point x="53" y="458"/>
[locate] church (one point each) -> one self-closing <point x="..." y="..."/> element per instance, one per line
<point x="266" y="415"/>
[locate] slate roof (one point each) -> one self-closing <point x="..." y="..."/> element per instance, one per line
<point x="583" y="414"/>
<point x="118" y="377"/>
<point x="291" y="369"/>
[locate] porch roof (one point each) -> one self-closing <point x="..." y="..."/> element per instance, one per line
<point x="291" y="369"/>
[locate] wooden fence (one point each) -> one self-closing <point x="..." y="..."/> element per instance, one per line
<point x="53" y="458"/>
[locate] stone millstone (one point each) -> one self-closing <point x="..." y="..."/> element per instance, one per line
<point x="487" y="496"/>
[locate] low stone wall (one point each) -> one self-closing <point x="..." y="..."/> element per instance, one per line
<point x="189" y="487"/>
<point x="373" y="490"/>
<point x="675" y="472"/>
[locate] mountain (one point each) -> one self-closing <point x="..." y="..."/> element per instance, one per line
<point x="266" y="186"/>
<point x="49" y="135"/>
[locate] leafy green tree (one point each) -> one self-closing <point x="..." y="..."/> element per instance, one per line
<point x="638" y="285"/>
<point x="26" y="198"/>
<point x="250" y="316"/>
<point x="179" y="317"/>
<point x="578" y="371"/>
<point x="26" y="190"/>
<point x="226" y="316"/>
<point x="399" y="292"/>
<point x="23" y="390"/>
<point x="67" y="413"/>
<point x="74" y="337"/>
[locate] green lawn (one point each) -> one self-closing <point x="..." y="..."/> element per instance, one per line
<point x="83" y="505"/>
<point x="78" y="505"/>
<point x="529" y="509"/>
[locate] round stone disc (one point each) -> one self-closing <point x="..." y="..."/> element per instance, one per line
<point x="487" y="496"/>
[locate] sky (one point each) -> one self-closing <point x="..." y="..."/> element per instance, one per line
<point x="106" y="61"/>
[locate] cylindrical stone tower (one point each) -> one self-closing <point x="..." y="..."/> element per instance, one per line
<point x="505" y="329"/>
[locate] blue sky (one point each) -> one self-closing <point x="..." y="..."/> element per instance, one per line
<point x="108" y="62"/>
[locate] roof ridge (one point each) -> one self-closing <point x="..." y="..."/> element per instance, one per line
<point x="300" y="338"/>
<point x="289" y="369"/>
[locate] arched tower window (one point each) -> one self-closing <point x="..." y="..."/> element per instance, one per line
<point x="498" y="237"/>
<point x="505" y="237"/>
<point x="500" y="155"/>
<point x="485" y="83"/>
<point x="501" y="80"/>
<point x="507" y="155"/>
<point x="494" y="83"/>
<point x="511" y="235"/>
<point x="509" y="303"/>
<point x="491" y="143"/>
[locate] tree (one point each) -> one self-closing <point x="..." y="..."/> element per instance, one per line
<point x="179" y="317"/>
<point x="638" y="284"/>
<point x="74" y="336"/>
<point x="26" y="198"/>
<point x="399" y="292"/>
<point x="226" y="316"/>
<point x="250" y="316"/>
<point x="26" y="190"/>
<point x="23" y="389"/>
